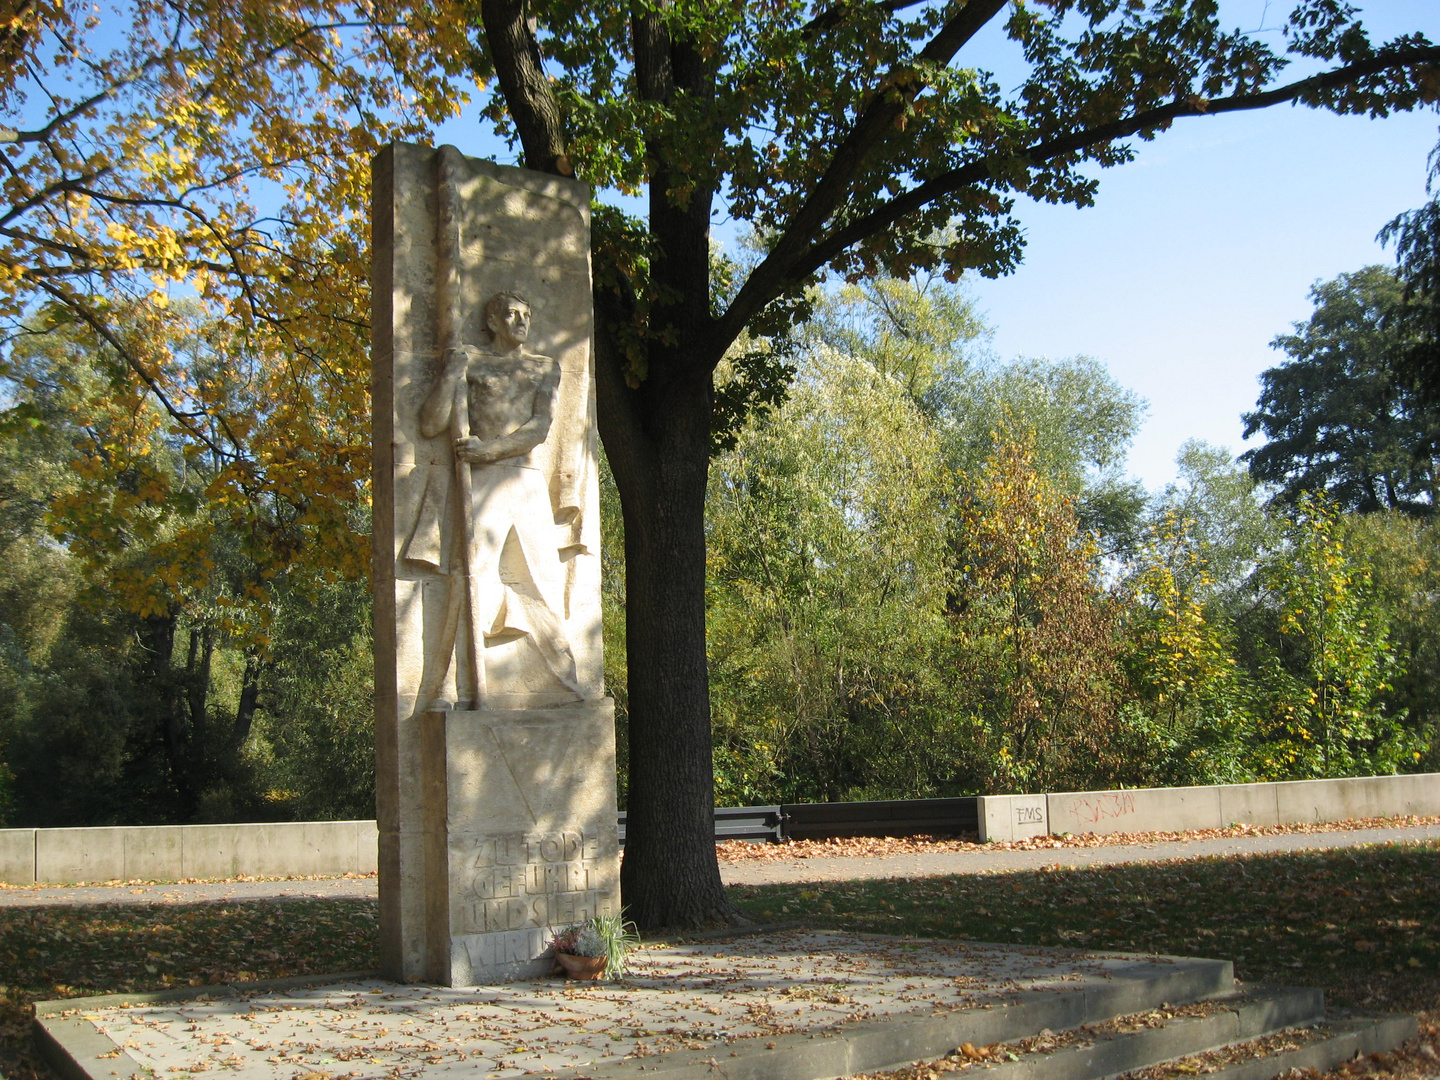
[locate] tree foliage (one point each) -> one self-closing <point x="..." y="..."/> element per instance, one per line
<point x="827" y="540"/>
<point x="214" y="154"/>
<point x="1335" y="417"/>
<point x="1329" y="711"/>
<point x="137" y="686"/>
<point x="1191" y="706"/>
<point x="1416" y="320"/>
<point x="1038" y="629"/>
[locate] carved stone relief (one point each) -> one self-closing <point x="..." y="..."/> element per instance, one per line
<point x="486" y="562"/>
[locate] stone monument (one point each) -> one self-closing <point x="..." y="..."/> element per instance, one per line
<point x="495" y="741"/>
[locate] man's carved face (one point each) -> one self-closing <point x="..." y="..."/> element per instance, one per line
<point x="510" y="323"/>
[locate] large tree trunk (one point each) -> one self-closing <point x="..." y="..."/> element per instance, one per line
<point x="669" y="877"/>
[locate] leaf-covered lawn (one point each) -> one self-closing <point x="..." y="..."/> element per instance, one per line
<point x="1362" y="923"/>
<point x="55" y="952"/>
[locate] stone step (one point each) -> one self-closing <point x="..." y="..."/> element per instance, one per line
<point x="873" y="1046"/>
<point x="1141" y="1040"/>
<point x="1322" y="1047"/>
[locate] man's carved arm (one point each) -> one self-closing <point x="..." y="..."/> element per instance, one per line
<point x="435" y="414"/>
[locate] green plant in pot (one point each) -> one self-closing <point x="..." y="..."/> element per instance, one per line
<point x="594" y="949"/>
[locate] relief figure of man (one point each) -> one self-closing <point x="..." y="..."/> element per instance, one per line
<point x="505" y="569"/>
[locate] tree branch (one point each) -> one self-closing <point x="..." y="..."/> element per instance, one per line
<point x="873" y="124"/>
<point x="826" y="249"/>
<point x="528" y="97"/>
<point x="182" y="417"/>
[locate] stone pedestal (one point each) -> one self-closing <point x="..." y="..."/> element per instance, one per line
<point x="495" y="754"/>
<point x="520" y="835"/>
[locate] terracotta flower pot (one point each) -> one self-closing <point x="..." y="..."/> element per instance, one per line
<point x="580" y="967"/>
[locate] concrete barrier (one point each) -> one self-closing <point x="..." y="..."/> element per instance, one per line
<point x="1012" y="817"/>
<point x="1138" y="810"/>
<point x="177" y="852"/>
<point x="300" y="848"/>
<point x="17" y="856"/>
<point x="1287" y="802"/>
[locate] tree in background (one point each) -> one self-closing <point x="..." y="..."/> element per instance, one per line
<point x="835" y="668"/>
<point x="1082" y="422"/>
<point x="1191" y="705"/>
<point x="1335" y="417"/>
<point x="1227" y="528"/>
<point x="1037" y="631"/>
<point x="1330" y="680"/>
<point x="827" y="565"/>
<point x="1401" y="557"/>
<point x="136" y="664"/>
<point x="1416" y="321"/>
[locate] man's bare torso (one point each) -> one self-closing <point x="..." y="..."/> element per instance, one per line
<point x="502" y="391"/>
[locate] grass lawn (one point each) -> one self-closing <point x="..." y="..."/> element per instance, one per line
<point x="1362" y="923"/>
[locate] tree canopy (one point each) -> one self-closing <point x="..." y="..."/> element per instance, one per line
<point x="855" y="139"/>
<point x="1337" y="417"/>
<point x="184" y="196"/>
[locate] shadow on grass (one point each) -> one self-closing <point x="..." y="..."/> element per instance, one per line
<point x="1361" y="923"/>
<point x="78" y="951"/>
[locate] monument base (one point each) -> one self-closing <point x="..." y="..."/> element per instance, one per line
<point x="521" y="837"/>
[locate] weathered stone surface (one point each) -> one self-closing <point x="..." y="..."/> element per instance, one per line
<point x="486" y="533"/>
<point x="521" y="835"/>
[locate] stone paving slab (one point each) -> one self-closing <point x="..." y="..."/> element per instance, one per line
<point x="728" y="998"/>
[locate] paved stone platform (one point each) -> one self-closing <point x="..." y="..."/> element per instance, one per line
<point x="682" y="1006"/>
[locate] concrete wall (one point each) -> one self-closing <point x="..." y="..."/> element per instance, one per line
<point x="177" y="852"/>
<point x="1011" y="817"/>
<point x="1283" y="803"/>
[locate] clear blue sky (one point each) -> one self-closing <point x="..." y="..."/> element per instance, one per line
<point x="1203" y="249"/>
<point x="1199" y="252"/>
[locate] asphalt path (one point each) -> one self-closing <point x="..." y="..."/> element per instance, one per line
<point x="774" y="872"/>
<point x="750" y="872"/>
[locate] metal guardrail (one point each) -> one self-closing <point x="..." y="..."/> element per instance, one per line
<point x="763" y="823"/>
<point x="898" y="817"/>
<point x="821" y="821"/>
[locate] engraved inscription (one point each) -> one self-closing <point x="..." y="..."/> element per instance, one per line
<point x="492" y="950"/>
<point x="526" y="880"/>
<point x="521" y="913"/>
